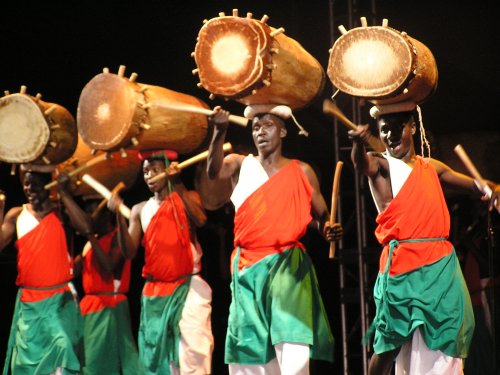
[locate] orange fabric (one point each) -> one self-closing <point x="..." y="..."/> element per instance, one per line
<point x="97" y="280"/>
<point x="43" y="260"/>
<point x="161" y="288"/>
<point x="419" y="210"/>
<point x="275" y="216"/>
<point x="167" y="243"/>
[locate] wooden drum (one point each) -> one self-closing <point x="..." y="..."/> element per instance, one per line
<point x="248" y="61"/>
<point x="117" y="167"/>
<point x="382" y="65"/>
<point x="34" y="131"/>
<point x="115" y="112"/>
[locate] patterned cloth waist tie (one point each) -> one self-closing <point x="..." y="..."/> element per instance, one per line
<point x="385" y="277"/>
<point x="46" y="287"/>
<point x="152" y="279"/>
<point x="105" y="293"/>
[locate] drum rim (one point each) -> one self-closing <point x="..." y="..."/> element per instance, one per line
<point x="260" y="55"/>
<point x="42" y="138"/>
<point x="377" y="92"/>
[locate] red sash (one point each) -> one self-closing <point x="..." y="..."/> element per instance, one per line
<point x="275" y="216"/>
<point x="167" y="246"/>
<point x="43" y="260"/>
<point x="418" y="211"/>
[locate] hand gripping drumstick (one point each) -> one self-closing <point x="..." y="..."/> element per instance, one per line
<point x="86" y="165"/>
<point x="238" y="120"/>
<point x="119" y="187"/>
<point x="483" y="186"/>
<point x="330" y="108"/>
<point x="103" y="190"/>
<point x="227" y="147"/>
<point x="333" y="209"/>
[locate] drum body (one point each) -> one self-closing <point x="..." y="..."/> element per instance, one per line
<point x="248" y="61"/>
<point x="114" y="113"/>
<point x="34" y="131"/>
<point x="117" y="167"/>
<point x="383" y="66"/>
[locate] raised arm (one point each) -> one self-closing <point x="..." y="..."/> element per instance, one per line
<point x="191" y="199"/>
<point x="455" y="179"/>
<point x="219" y="166"/>
<point x="80" y="221"/>
<point x="363" y="161"/>
<point x="8" y="222"/>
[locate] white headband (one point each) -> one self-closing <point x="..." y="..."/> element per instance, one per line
<point x="379" y="110"/>
<point x="279" y="110"/>
<point x="253" y="110"/>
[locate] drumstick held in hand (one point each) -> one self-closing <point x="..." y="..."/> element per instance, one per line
<point x="227" y="147"/>
<point x="104" y="191"/>
<point x="82" y="167"/>
<point x="238" y="120"/>
<point x="330" y="108"/>
<point x="482" y="185"/>
<point x="333" y="209"/>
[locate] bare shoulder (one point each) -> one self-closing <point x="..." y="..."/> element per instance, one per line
<point x="13" y="214"/>
<point x="137" y="209"/>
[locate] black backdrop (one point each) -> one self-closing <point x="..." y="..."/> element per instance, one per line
<point x="56" y="47"/>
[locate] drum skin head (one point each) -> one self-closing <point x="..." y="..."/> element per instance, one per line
<point x="382" y="65"/>
<point x="105" y="112"/>
<point x="370" y="62"/>
<point x="24" y="132"/>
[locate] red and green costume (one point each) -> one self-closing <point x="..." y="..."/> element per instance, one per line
<point x="109" y="344"/>
<point x="46" y="327"/>
<point x="275" y="294"/>
<point x="420" y="283"/>
<point x="168" y="268"/>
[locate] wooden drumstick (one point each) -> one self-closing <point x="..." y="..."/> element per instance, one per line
<point x="77" y="170"/>
<point x="333" y="208"/>
<point x="483" y="186"/>
<point x="119" y="187"/>
<point x="227" y="147"/>
<point x="104" y="191"/>
<point x="238" y="120"/>
<point x="330" y="108"/>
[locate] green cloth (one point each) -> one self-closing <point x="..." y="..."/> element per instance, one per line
<point x="276" y="300"/>
<point x="45" y="335"/>
<point x="159" y="331"/>
<point x="109" y="344"/>
<point x="433" y="297"/>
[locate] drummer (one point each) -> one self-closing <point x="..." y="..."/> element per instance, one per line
<point x="424" y="311"/>
<point x="276" y="320"/>
<point x="175" y="332"/>
<point x="46" y="310"/>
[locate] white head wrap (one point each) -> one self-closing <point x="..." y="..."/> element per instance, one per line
<point x="385" y="109"/>
<point x="279" y="110"/>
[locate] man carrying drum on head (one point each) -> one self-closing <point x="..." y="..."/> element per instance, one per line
<point x="423" y="307"/>
<point x="276" y="320"/>
<point x="46" y="328"/>
<point x="175" y="334"/>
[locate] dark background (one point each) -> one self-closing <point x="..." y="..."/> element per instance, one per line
<point x="55" y="48"/>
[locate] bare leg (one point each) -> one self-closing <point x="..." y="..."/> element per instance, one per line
<point x="381" y="364"/>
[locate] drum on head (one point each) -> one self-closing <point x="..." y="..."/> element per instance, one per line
<point x="382" y="65"/>
<point x="115" y="112"/>
<point x="248" y="61"/>
<point x="34" y="131"/>
<point x="117" y="167"/>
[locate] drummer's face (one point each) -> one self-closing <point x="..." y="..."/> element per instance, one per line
<point x="151" y="168"/>
<point x="33" y="186"/>
<point x="267" y="131"/>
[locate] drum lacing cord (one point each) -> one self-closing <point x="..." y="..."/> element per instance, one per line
<point x="302" y="131"/>
<point x="423" y="137"/>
